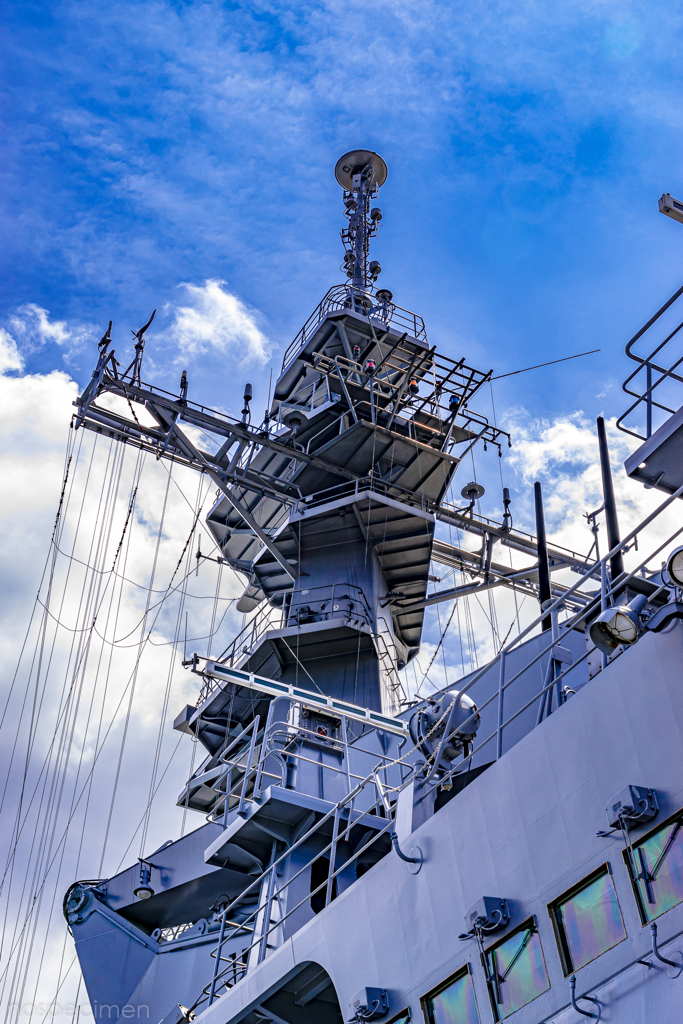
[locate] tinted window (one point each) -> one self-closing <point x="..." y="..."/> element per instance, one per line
<point x="454" y="1003"/>
<point x="657" y="870"/>
<point x="516" y="971"/>
<point x="588" y="921"/>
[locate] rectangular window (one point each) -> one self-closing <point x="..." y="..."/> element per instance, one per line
<point x="587" y="920"/>
<point x="657" y="869"/>
<point x="453" y="1002"/>
<point x="401" y="1018"/>
<point x="516" y="970"/>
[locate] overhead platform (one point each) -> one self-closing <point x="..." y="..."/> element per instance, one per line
<point x="356" y="330"/>
<point x="284" y="815"/>
<point x="658" y="462"/>
<point x="181" y="893"/>
<point x="400" y="535"/>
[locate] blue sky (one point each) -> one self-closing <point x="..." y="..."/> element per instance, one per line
<point x="148" y="145"/>
<point x="180" y="155"/>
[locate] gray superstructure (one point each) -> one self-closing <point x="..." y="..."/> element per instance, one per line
<point x="367" y="856"/>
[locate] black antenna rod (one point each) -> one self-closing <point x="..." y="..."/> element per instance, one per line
<point x="552" y="362"/>
<point x="617" y="561"/>
<point x="544" y="592"/>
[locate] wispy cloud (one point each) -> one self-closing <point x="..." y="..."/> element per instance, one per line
<point x="32" y="326"/>
<point x="216" y="320"/>
<point x="10" y="357"/>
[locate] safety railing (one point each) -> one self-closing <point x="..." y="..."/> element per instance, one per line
<point x="389" y="776"/>
<point x="260" y="757"/>
<point x="299" y="607"/>
<point x="343" y="817"/>
<point x="341" y="296"/>
<point x="660" y="369"/>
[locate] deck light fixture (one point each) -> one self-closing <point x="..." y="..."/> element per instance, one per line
<point x="618" y="625"/>
<point x="144" y="890"/>
<point x="674" y="566"/>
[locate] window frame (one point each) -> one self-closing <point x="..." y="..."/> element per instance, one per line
<point x="554" y="908"/>
<point x="532" y="923"/>
<point x="405" y="1014"/>
<point x="462" y="972"/>
<point x="631" y="866"/>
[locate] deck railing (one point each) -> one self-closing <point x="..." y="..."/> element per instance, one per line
<point x="341" y="296"/>
<point x="659" y="368"/>
<point x="390" y="776"/>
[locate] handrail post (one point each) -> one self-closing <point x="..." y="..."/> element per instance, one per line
<point x="501" y="694"/>
<point x="333" y="857"/>
<point x="270" y="888"/>
<point x="345" y="741"/>
<point x="228" y="787"/>
<point x="269" y="722"/>
<point x="247" y="769"/>
<point x="648" y="385"/>
<point x="219" y="949"/>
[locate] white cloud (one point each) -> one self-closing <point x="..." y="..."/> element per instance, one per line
<point x="33" y="326"/>
<point x="79" y="688"/>
<point x="10" y="357"/>
<point x="216" y="319"/>
<point x="563" y="454"/>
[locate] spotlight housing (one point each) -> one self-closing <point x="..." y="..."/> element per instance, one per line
<point x="143" y="892"/>
<point x="618" y="625"/>
<point x="674" y="567"/>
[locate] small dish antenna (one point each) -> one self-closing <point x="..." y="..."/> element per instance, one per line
<point x="294" y="419"/>
<point x="472" y="491"/>
<point x="355" y="162"/>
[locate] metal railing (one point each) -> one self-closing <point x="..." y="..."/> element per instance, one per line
<point x="659" y="367"/>
<point x="341" y="296"/>
<point x="381" y="802"/>
<point x="258" y="758"/>
<point x="299" y="607"/>
<point x="343" y="817"/>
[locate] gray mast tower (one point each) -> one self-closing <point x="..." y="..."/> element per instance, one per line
<point x="358" y="538"/>
<point x="328" y="510"/>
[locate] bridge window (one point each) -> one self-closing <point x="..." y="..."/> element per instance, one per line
<point x="453" y="1002"/>
<point x="516" y="970"/>
<point x="657" y="869"/>
<point x="401" y="1018"/>
<point x="587" y="920"/>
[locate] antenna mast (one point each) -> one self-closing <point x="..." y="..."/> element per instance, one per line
<point x="361" y="173"/>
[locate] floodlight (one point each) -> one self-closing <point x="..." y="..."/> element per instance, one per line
<point x="144" y="890"/>
<point x="618" y="625"/>
<point x="674" y="566"/>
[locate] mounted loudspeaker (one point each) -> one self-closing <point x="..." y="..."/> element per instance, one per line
<point x="356" y="161"/>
